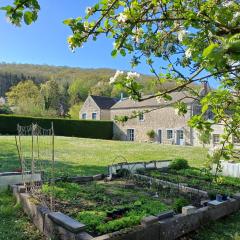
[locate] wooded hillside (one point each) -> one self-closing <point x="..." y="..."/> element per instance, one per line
<point x="92" y="80"/>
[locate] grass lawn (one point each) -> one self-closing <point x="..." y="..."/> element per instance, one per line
<point x="224" y="229"/>
<point x="77" y="156"/>
<point x="14" y="225"/>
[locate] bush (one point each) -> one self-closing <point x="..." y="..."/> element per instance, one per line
<point x="179" y="203"/>
<point x="5" y="109"/>
<point x="151" y="134"/>
<point x="62" y="127"/>
<point x="179" y="164"/>
<point x="123" y="172"/>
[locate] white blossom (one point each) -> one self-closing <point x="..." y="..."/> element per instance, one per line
<point x="228" y="3"/>
<point x="122" y="18"/>
<point x="89" y="10"/>
<point x="86" y="26"/>
<point x="133" y="75"/>
<point x="236" y="15"/>
<point x="114" y="45"/>
<point x="137" y="35"/>
<point x="188" y="53"/>
<point x="159" y="99"/>
<point x="116" y="76"/>
<point x="181" y="34"/>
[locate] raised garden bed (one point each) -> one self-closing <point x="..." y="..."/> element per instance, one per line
<point x="105" y="207"/>
<point x="196" y="178"/>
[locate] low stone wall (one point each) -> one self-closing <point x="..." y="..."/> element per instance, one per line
<point x="181" y="187"/>
<point x="54" y="225"/>
<point x="112" y="169"/>
<point x="81" y="179"/>
<point x="10" y="178"/>
<point x="166" y="226"/>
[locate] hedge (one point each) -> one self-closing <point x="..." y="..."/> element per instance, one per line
<point x="62" y="127"/>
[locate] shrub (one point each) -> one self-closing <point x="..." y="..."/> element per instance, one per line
<point x="179" y="203"/>
<point x="5" y="109"/>
<point x="62" y="127"/>
<point x="179" y="164"/>
<point x="123" y="172"/>
<point x="141" y="171"/>
<point x="151" y="134"/>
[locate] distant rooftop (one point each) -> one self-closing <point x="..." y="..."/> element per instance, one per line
<point x="104" y="102"/>
<point x="129" y="103"/>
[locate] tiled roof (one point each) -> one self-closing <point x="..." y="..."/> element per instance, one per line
<point x="128" y="103"/>
<point x="104" y="102"/>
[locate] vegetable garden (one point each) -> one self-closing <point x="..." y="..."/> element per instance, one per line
<point x="105" y="207"/>
<point x="201" y="179"/>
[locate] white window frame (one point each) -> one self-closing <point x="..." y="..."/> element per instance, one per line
<point x="141" y="119"/>
<point x="172" y="134"/>
<point x="92" y="115"/>
<point x="85" y="116"/>
<point x="131" y="136"/>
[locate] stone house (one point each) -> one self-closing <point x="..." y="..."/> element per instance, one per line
<point x="97" y="107"/>
<point x="158" y="117"/>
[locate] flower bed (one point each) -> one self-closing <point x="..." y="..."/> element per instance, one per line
<point x="105" y="207"/>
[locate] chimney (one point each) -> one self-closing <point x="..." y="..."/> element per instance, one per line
<point x="205" y="88"/>
<point x="121" y="97"/>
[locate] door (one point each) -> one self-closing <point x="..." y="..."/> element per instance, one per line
<point x="159" y="136"/>
<point x="180" y="137"/>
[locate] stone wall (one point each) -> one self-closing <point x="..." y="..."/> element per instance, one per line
<point x="105" y="114"/>
<point x="9" y="178"/>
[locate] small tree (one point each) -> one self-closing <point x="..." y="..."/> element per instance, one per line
<point x="151" y="134"/>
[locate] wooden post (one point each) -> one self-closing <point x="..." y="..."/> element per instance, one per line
<point x="53" y="162"/>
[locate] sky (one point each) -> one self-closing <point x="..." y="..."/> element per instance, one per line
<point x="45" y="41"/>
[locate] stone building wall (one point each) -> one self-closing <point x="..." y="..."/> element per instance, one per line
<point x="160" y="119"/>
<point x="90" y="107"/>
<point x="105" y="114"/>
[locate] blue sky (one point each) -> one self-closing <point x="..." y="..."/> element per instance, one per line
<point x="45" y="41"/>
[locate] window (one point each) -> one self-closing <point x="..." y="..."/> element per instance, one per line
<point x="216" y="138"/>
<point x="130" y="134"/>
<point x="141" y="117"/>
<point x="169" y="134"/>
<point x="94" y="116"/>
<point x="210" y="115"/>
<point x="84" y="116"/>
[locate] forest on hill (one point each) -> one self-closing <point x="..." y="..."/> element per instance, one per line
<point x="73" y="84"/>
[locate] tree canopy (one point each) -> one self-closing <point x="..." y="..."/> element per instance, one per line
<point x="197" y="41"/>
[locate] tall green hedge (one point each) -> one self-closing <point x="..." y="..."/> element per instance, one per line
<point x="62" y="127"/>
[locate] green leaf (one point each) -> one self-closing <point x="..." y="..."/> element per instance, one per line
<point x="114" y="53"/>
<point x="204" y="108"/>
<point x="122" y="52"/>
<point x="208" y="50"/>
<point x="68" y="21"/>
<point x="28" y="17"/>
